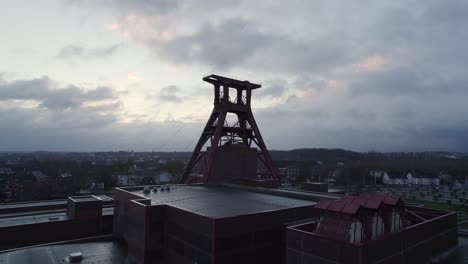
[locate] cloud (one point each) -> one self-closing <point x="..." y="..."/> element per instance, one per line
<point x="170" y="94"/>
<point x="49" y="95"/>
<point x="89" y="130"/>
<point x="372" y="63"/>
<point x="72" y="52"/>
<point x="382" y="75"/>
<point x="273" y="89"/>
<point x="59" y="117"/>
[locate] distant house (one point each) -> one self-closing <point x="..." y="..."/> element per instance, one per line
<point x="424" y="179"/>
<point x="377" y="175"/>
<point x="396" y="177"/>
<point x="409" y="178"/>
<point x="6" y="172"/>
<point x="66" y="175"/>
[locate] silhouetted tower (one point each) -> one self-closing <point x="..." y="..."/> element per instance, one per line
<point x="230" y="153"/>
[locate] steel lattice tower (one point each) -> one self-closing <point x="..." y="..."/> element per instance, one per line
<point x="218" y="132"/>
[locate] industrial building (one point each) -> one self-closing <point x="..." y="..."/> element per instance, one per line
<point x="205" y="223"/>
<point x="372" y="229"/>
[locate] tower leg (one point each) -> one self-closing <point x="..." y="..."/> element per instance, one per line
<point x="214" y="145"/>
<point x="197" y="151"/>
<point x="267" y="159"/>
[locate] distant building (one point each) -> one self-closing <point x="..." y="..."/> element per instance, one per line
<point x="127" y="180"/>
<point x="97" y="185"/>
<point x="163" y="177"/>
<point x="396" y="177"/>
<point x="162" y="161"/>
<point x="420" y="179"/>
<point x="122" y="180"/>
<point x="377" y="175"/>
<point x="6" y="181"/>
<point x="66" y="175"/>
<point x="303" y="170"/>
<point x="282" y="173"/>
<point x="292" y="172"/>
<point x="40" y="177"/>
<point x="399" y="178"/>
<point x="6" y="172"/>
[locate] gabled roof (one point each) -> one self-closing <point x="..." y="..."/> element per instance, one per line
<point x="373" y="201"/>
<point x="351" y="208"/>
<point x="391" y="200"/>
<point x="352" y="204"/>
<point x="337" y="206"/>
<point x="397" y="175"/>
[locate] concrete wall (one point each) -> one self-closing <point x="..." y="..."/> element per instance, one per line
<point x="48" y="232"/>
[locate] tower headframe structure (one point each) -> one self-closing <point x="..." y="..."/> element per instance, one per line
<point x="231" y="97"/>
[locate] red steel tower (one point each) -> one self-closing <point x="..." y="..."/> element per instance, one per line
<point x="230" y="154"/>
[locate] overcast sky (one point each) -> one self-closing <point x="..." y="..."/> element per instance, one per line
<point x="97" y="75"/>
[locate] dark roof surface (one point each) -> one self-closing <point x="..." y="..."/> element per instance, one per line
<point x="221" y="202"/>
<point x="40" y="217"/>
<point x="105" y="251"/>
<point x="45" y="203"/>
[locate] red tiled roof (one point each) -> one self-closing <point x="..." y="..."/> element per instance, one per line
<point x="352" y="204"/>
<point x="337" y="206"/>
<point x="348" y="199"/>
<point x="391" y="200"/>
<point x="374" y="201"/>
<point x="351" y="208"/>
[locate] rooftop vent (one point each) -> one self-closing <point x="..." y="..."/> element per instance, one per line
<point x="75" y="257"/>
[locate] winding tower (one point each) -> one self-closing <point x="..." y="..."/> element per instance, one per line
<point x="233" y="144"/>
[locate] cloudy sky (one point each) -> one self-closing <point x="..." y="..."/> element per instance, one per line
<point x="90" y="75"/>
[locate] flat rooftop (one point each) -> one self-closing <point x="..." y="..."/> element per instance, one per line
<point x="84" y="198"/>
<point x="101" y="251"/>
<point x="219" y="201"/>
<point x="63" y="202"/>
<point x="40" y="217"/>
